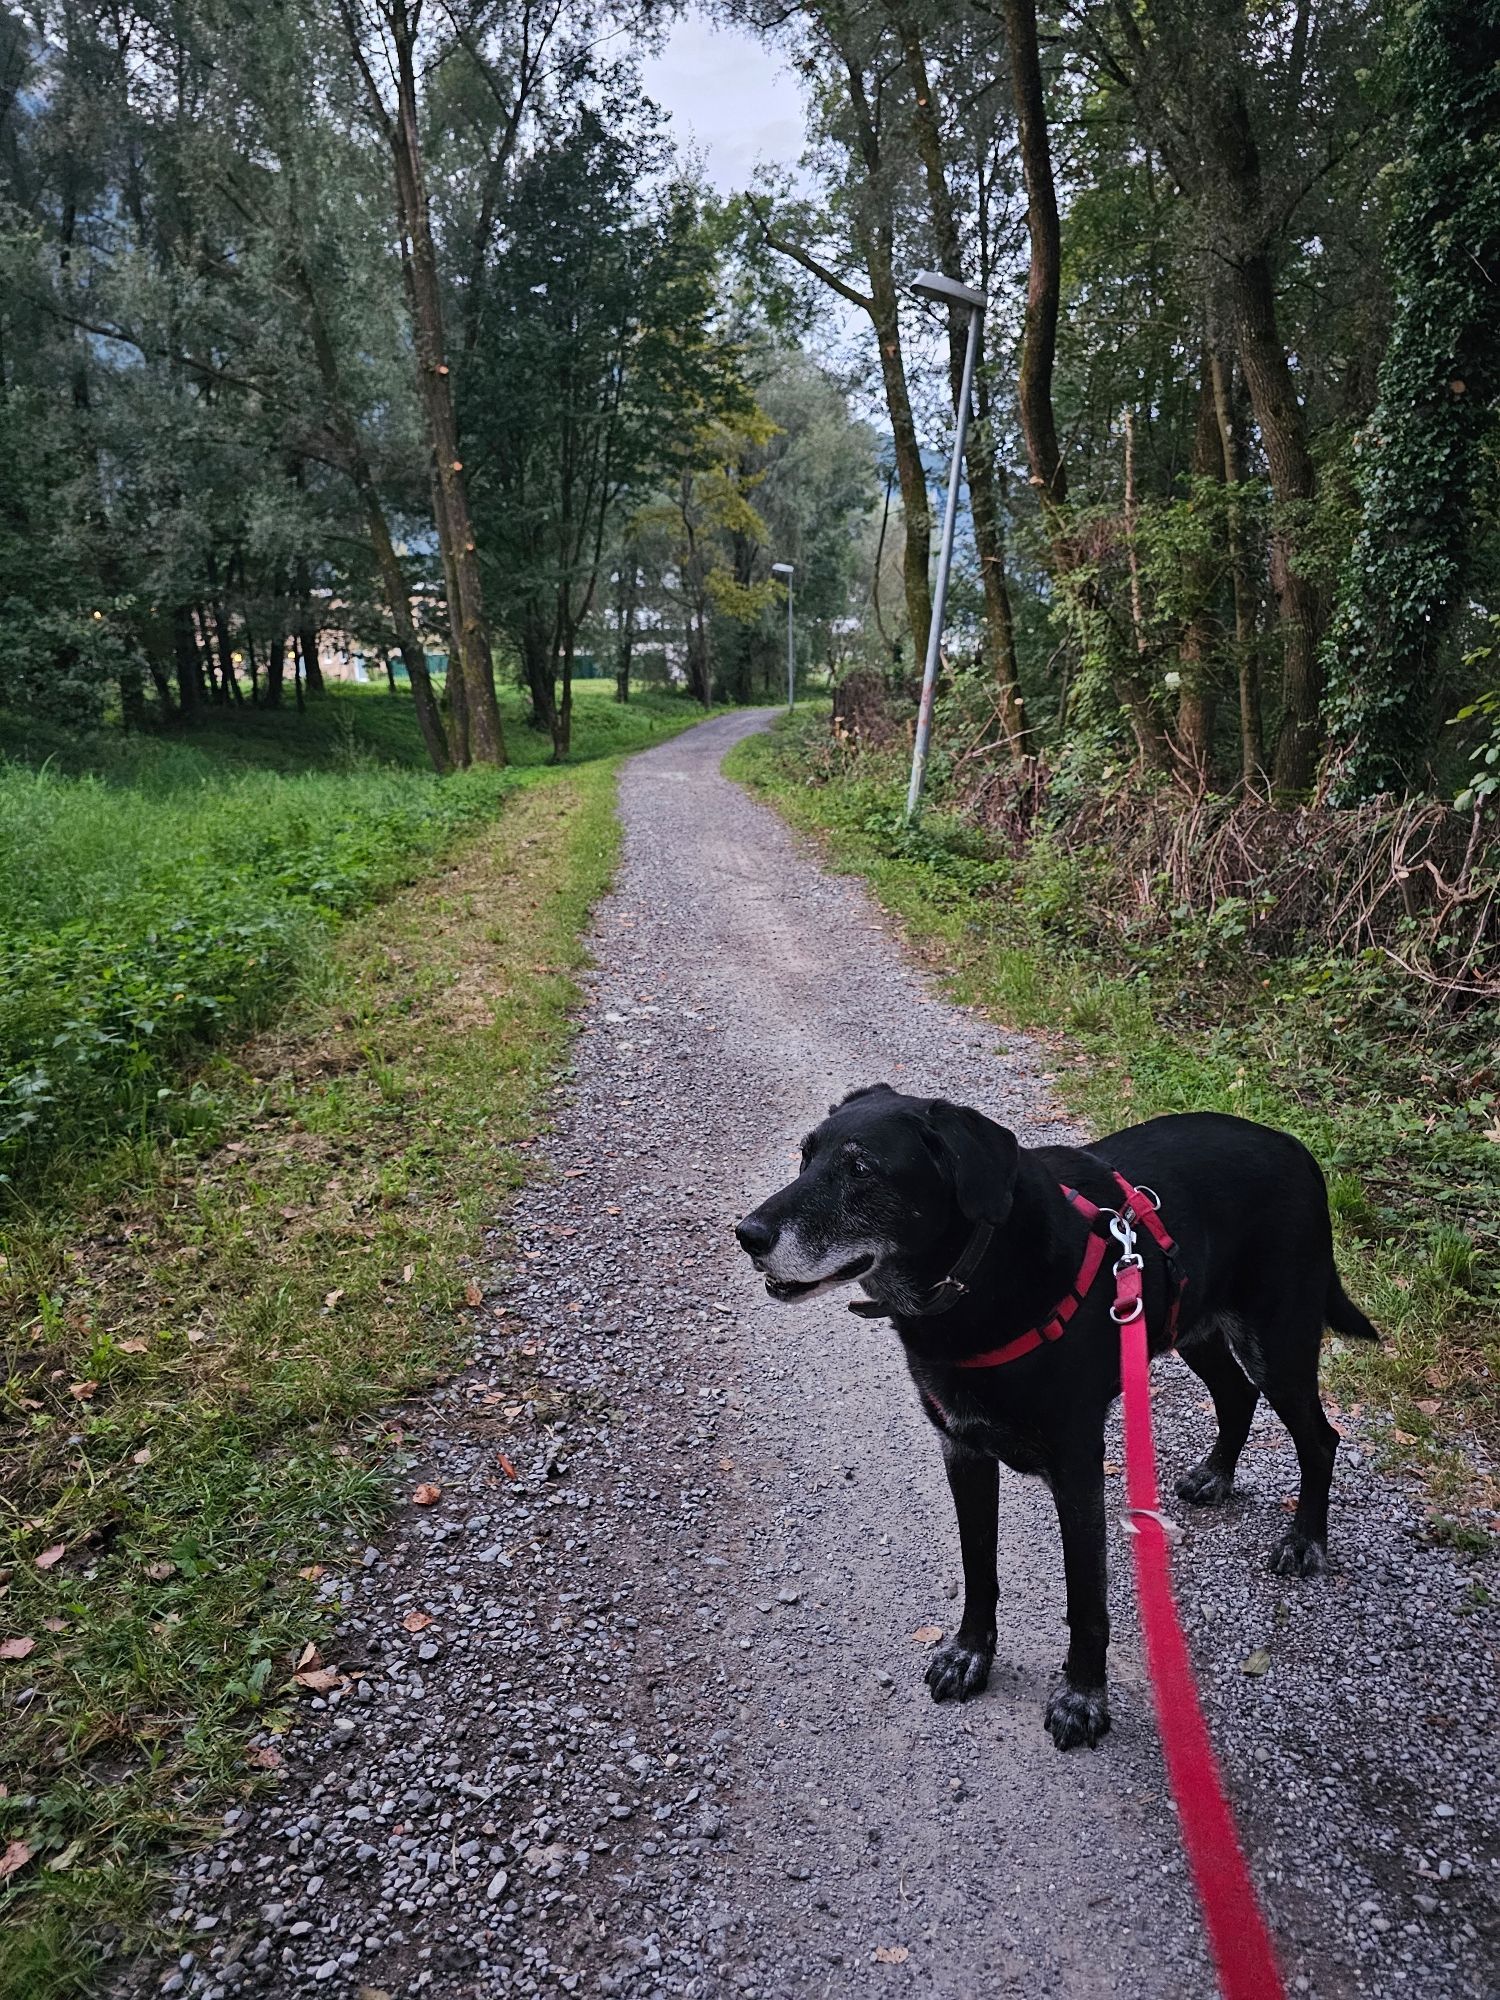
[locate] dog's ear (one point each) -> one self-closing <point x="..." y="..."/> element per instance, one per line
<point x="980" y="1155"/>
<point x="865" y="1090"/>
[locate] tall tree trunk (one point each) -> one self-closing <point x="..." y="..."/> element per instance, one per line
<point x="1247" y="663"/>
<point x="398" y="601"/>
<point x="979" y="457"/>
<point x="188" y="665"/>
<point x="471" y="638"/>
<point x="1283" y="433"/>
<point x="457" y="685"/>
<point x="627" y="594"/>
<point x="307" y="630"/>
<point x="276" y="659"/>
<point x="911" y="475"/>
<point x="1197" y="702"/>
<point x="1044" y="281"/>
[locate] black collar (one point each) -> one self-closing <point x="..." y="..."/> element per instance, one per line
<point x="947" y="1292"/>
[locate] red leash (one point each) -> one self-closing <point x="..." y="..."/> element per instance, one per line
<point x="1243" y="1955"/>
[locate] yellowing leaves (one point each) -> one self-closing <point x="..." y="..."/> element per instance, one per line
<point x="427" y="1495"/>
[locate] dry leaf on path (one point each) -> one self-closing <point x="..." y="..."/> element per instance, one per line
<point x="160" y="1571"/>
<point x="265" y="1758"/>
<point x="15" y="1857"/>
<point x="50" y="1557"/>
<point x="891" y="1954"/>
<point x="332" y="1298"/>
<point x="1256" y="1663"/>
<point x="928" y="1635"/>
<point x="505" y="1465"/>
<point x="311" y="1573"/>
<point x="416" y="1621"/>
<point x="427" y="1495"/>
<point x="309" y="1657"/>
<point x="320" y="1679"/>
<point x="408" y="1272"/>
<point x="81" y="1391"/>
<point x="16" y="1649"/>
<point x="473" y="1294"/>
<point x="132" y="1346"/>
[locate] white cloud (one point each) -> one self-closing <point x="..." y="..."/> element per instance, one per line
<point x="730" y="99"/>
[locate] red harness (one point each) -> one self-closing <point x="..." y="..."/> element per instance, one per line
<point x="1139" y="1209"/>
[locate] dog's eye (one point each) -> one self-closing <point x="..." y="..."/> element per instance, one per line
<point x="859" y="1167"/>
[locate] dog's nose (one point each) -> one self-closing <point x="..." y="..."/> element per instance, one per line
<point x="756" y="1237"/>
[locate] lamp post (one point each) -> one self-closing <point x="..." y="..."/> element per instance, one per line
<point x="786" y="570"/>
<point x="947" y="292"/>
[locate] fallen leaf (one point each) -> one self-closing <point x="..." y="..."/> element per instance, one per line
<point x="332" y="1298"/>
<point x="427" y="1495"/>
<point x="15" y="1857"/>
<point x="505" y="1465"/>
<point x="66" y="1859"/>
<point x="1256" y="1663"/>
<point x="319" y="1679"/>
<point x="16" y="1649"/>
<point x="891" y="1954"/>
<point x="309" y="1657"/>
<point x="408" y="1272"/>
<point x="1402" y="1437"/>
<point x="141" y="1457"/>
<point x="726" y="1465"/>
<point x="56" y="1624"/>
<point x="928" y="1635"/>
<point x="311" y="1573"/>
<point x="49" y="1558"/>
<point x="473" y="1294"/>
<point x="1429" y="1406"/>
<point x="81" y="1391"/>
<point x="265" y="1758"/>
<point x="160" y="1571"/>
<point x="373" y="1993"/>
<point x="127" y="1347"/>
<point x="416" y="1621"/>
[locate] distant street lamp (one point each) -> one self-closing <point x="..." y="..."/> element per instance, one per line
<point x="946" y="292"/>
<point x="786" y="569"/>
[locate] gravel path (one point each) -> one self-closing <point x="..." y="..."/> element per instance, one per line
<point x="660" y="1727"/>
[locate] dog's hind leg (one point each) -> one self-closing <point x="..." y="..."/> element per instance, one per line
<point x="1209" y="1483"/>
<point x="962" y="1667"/>
<point x="1303" y="1549"/>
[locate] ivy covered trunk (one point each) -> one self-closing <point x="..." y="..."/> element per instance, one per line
<point x="1423" y="451"/>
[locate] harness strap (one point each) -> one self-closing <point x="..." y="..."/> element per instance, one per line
<point x="1138" y="1206"/>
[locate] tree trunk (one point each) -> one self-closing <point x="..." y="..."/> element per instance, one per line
<point x="988" y="532"/>
<point x="1197" y="702"/>
<point x="470" y="635"/>
<point x="1252" y="738"/>
<point x="458" y="702"/>
<point x="188" y="665"/>
<point x="536" y="664"/>
<point x="628" y="590"/>
<point x="1044" y="282"/>
<point x="276" y="662"/>
<point x="398" y="600"/>
<point x="307" y="630"/>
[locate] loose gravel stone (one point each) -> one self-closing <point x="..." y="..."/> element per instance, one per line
<point x="590" y="1778"/>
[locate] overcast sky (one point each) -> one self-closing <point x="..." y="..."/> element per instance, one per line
<point x="729" y="97"/>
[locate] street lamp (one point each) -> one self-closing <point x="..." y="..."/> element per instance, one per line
<point x="786" y="569"/>
<point x="946" y="292"/>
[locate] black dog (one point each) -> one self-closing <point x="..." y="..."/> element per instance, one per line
<point x="965" y="1241"/>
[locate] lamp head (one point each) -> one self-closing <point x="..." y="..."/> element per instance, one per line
<point x="782" y="569"/>
<point x="945" y="291"/>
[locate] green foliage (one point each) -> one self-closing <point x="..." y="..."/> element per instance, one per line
<point x="1420" y="458"/>
<point x="148" y="913"/>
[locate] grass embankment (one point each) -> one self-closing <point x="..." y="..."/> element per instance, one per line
<point x="161" y="892"/>
<point x="1414" y="1178"/>
<point x="205" y="1330"/>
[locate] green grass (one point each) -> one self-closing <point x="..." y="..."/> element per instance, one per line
<point x="192" y="1409"/>
<point x="1318" y="1048"/>
<point x="162" y="892"/>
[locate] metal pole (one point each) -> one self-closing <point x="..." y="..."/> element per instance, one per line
<point x="940" y="593"/>
<point x="791" y="653"/>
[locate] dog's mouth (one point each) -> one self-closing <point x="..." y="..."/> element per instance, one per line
<point x="784" y="1290"/>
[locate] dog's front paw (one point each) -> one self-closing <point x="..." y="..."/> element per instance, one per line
<point x="1077" y="1715"/>
<point x="959" y="1670"/>
<point x="1297" y="1554"/>
<point x="1205" y="1485"/>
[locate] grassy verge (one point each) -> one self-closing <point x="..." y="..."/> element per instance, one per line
<point x="191" y="1426"/>
<point x="164" y="892"/>
<point x="1414" y="1184"/>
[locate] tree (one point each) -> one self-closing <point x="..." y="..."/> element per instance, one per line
<point x="1423" y="452"/>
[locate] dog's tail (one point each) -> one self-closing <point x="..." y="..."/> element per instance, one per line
<point x="1343" y="1315"/>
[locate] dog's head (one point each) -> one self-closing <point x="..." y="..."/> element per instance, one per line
<point x="887" y="1182"/>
